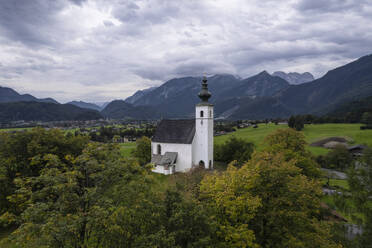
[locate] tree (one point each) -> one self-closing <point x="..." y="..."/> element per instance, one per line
<point x="291" y="121"/>
<point x="296" y="122"/>
<point x="21" y="155"/>
<point x="234" y="149"/>
<point x="290" y="204"/>
<point x="268" y="202"/>
<point x="292" y="143"/>
<point x="367" y="118"/>
<point x="360" y="183"/>
<point x="231" y="204"/>
<point x="338" y="158"/>
<point x="86" y="203"/>
<point x="143" y="150"/>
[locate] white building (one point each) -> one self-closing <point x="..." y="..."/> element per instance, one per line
<point x="179" y="145"/>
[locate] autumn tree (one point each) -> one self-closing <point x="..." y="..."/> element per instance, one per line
<point x="273" y="200"/>
<point x="230" y="201"/>
<point x="290" y="202"/>
<point x="291" y="144"/>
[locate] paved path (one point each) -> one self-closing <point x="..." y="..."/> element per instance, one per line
<point x="334" y="174"/>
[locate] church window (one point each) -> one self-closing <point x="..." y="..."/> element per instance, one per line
<point x="201" y="113"/>
<point x="159" y="149"/>
<point x="210" y="113"/>
<point x="201" y="164"/>
<point x="210" y="164"/>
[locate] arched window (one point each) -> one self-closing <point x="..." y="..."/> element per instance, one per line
<point x="201" y="164"/>
<point x="159" y="149"/>
<point x="210" y="164"/>
<point x="210" y="113"/>
<point x="201" y="113"/>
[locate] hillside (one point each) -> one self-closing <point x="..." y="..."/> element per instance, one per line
<point x="260" y="85"/>
<point x="10" y="95"/>
<point x="349" y="82"/>
<point x="352" y="111"/>
<point x="85" y="105"/>
<point x="119" y="109"/>
<point x="176" y="98"/>
<point x="140" y="93"/>
<point x="39" y="111"/>
<point x="263" y="95"/>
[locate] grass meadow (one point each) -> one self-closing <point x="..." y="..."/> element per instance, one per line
<point x="312" y="132"/>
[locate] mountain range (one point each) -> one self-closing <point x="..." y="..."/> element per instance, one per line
<point x="14" y="107"/>
<point x="295" y="78"/>
<point x="86" y="105"/>
<point x="10" y="95"/>
<point x="257" y="97"/>
<point x="262" y="95"/>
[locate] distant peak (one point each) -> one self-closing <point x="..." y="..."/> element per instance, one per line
<point x="264" y="72"/>
<point x="295" y="77"/>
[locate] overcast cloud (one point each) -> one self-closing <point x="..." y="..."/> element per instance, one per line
<point x="99" y="50"/>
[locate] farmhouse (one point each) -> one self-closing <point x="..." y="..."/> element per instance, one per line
<point x="179" y="145"/>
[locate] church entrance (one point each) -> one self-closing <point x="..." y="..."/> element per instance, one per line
<point x="201" y="164"/>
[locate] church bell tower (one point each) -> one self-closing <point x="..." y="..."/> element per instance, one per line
<point x="204" y="129"/>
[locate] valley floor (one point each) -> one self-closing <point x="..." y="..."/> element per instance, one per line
<point x="312" y="132"/>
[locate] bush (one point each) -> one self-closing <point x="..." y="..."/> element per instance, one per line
<point x="366" y="127"/>
<point x="338" y="158"/>
<point x="234" y="149"/>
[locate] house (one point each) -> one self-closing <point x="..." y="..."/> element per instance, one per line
<point x="180" y="145"/>
<point x="357" y="150"/>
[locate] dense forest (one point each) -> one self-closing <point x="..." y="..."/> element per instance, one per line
<point x="62" y="190"/>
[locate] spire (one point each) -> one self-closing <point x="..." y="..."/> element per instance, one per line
<point x="204" y="94"/>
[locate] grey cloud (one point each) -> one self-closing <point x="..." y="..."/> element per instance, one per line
<point x="330" y="5"/>
<point x="27" y="21"/>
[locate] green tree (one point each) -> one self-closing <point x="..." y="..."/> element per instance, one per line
<point x="21" y="155"/>
<point x="234" y="149"/>
<point x="296" y="122"/>
<point x="360" y="183"/>
<point x="81" y="203"/>
<point x="367" y="118"/>
<point x="291" y="122"/>
<point x="143" y="150"/>
<point x="338" y="158"/>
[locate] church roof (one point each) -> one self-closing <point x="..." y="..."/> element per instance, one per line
<point x="175" y="131"/>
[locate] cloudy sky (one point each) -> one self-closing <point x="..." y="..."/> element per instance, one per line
<point x="99" y="50"/>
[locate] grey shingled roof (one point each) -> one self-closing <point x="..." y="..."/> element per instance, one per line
<point x="175" y="131"/>
<point x="156" y="158"/>
<point x="169" y="158"/>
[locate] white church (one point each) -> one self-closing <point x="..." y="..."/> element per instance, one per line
<point x="179" y="145"/>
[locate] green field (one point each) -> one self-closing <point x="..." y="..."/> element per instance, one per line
<point x="127" y="148"/>
<point x="337" y="183"/>
<point x="312" y="132"/>
<point x="14" y="129"/>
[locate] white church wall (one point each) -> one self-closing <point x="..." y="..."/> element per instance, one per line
<point x="184" y="157"/>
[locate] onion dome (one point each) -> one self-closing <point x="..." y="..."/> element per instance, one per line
<point x="204" y="94"/>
